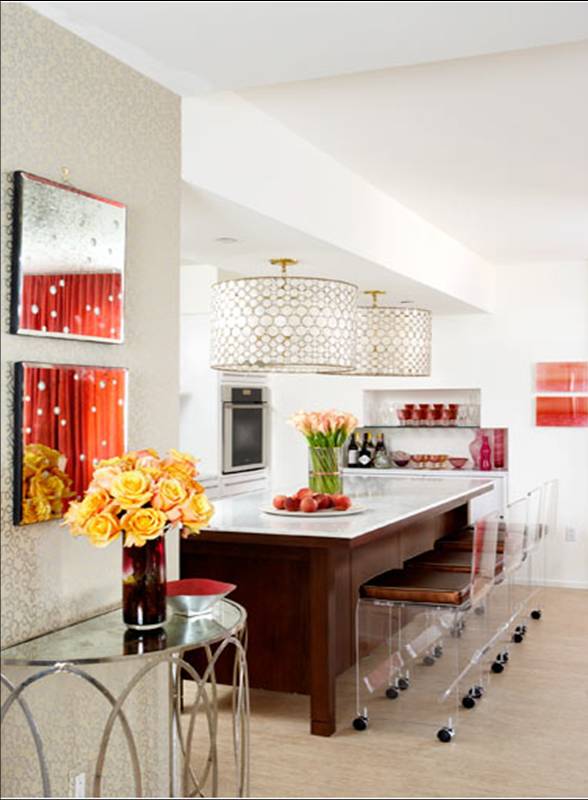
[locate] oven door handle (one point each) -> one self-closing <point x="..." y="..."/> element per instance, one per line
<point x="261" y="406"/>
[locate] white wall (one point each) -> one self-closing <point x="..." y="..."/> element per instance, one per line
<point x="198" y="382"/>
<point x="542" y="315"/>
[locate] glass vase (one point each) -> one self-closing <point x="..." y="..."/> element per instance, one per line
<point x="324" y="470"/>
<point x="144" y="590"/>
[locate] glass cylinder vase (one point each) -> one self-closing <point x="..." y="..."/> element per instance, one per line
<point x="324" y="469"/>
<point x="144" y="589"/>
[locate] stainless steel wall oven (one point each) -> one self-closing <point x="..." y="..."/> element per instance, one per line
<point x="245" y="428"/>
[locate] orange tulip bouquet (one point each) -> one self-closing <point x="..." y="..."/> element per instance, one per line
<point x="326" y="432"/>
<point x="141" y="496"/>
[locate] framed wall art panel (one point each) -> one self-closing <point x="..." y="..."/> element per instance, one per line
<point x="68" y="418"/>
<point x="68" y="260"/>
<point x="567" y="412"/>
<point x="561" y="376"/>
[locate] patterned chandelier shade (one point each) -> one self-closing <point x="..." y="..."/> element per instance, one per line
<point x="393" y="341"/>
<point x="283" y="324"/>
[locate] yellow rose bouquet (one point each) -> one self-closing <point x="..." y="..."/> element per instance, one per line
<point x="46" y="486"/>
<point x="141" y="496"/>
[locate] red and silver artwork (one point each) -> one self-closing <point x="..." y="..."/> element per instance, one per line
<point x="561" y="376"/>
<point x="562" y="411"/>
<point x="69" y="418"/>
<point x="68" y="262"/>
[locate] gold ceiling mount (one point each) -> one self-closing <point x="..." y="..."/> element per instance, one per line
<point x="375" y="293"/>
<point x="284" y="263"/>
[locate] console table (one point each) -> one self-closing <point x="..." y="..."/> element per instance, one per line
<point x="104" y="639"/>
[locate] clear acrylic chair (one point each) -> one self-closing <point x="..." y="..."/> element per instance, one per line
<point x="524" y="587"/>
<point x="505" y="607"/>
<point x="547" y="522"/>
<point x="420" y="644"/>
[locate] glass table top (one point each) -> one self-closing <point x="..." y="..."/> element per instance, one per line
<point x="106" y="638"/>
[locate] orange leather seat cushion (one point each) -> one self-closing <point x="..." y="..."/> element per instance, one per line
<point x="464" y="540"/>
<point x="420" y="586"/>
<point x="446" y="559"/>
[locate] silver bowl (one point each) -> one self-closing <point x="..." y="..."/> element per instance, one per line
<point x="195" y="597"/>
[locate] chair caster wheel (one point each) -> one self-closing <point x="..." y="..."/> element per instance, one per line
<point x="391" y="693"/>
<point x="403" y="684"/>
<point x="536" y="614"/>
<point x="438" y="651"/>
<point x="360" y="723"/>
<point x="522" y="629"/>
<point x="445" y="735"/>
<point x="503" y="657"/>
<point x="497" y="667"/>
<point x="468" y="701"/>
<point x="517" y="638"/>
<point x="479" y="610"/>
<point x="428" y="661"/>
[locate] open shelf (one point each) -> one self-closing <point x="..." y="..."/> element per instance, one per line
<point x="422" y="427"/>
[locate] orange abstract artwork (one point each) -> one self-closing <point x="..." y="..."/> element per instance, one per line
<point x="562" y="412"/>
<point x="70" y="417"/>
<point x="562" y="376"/>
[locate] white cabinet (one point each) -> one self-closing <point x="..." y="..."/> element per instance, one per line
<point x="244" y="482"/>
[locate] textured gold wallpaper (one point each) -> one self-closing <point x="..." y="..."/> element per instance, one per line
<point x="66" y="103"/>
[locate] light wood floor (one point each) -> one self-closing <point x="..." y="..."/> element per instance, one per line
<point x="528" y="738"/>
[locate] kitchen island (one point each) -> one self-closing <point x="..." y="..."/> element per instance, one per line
<point x="299" y="577"/>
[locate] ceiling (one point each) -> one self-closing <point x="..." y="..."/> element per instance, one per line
<point x="488" y="143"/>
<point x="192" y="47"/>
<point x="207" y="217"/>
<point x="493" y="150"/>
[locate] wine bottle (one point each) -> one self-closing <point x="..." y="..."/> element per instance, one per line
<point x="365" y="454"/>
<point x="352" y="452"/>
<point x="381" y="444"/>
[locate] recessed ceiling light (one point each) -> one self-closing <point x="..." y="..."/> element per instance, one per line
<point x="226" y="240"/>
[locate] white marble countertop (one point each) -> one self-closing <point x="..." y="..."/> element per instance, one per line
<point x="402" y="499"/>
<point x="399" y="472"/>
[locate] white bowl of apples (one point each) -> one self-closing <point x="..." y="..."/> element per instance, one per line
<point x="305" y="501"/>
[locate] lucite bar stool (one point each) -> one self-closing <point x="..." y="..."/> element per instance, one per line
<point x="524" y="588"/>
<point x="420" y="644"/>
<point x="503" y="608"/>
<point x="547" y="522"/>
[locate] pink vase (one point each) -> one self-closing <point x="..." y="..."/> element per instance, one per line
<point x="475" y="447"/>
<point x="498" y="449"/>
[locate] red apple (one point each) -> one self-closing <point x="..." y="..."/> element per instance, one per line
<point x="342" y="502"/>
<point x="280" y="501"/>
<point x="308" y="504"/>
<point x="305" y="492"/>
<point x="292" y="504"/>
<point x="323" y="500"/>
